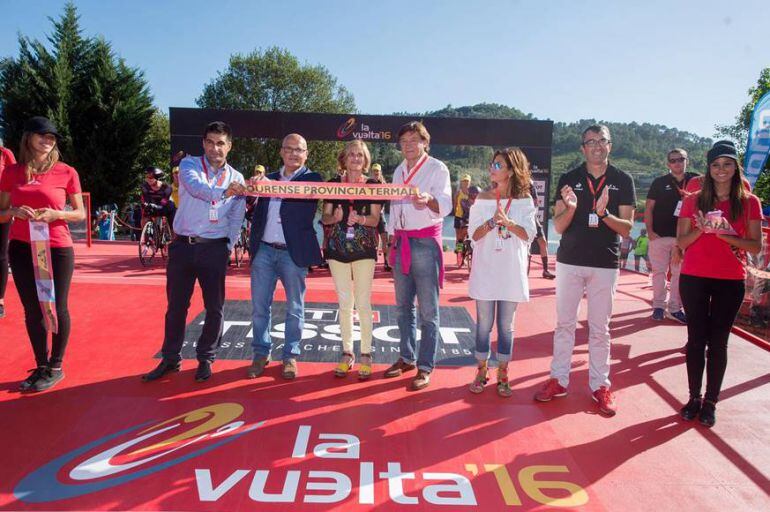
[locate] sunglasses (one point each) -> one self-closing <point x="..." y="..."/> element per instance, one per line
<point x="677" y="160"/>
<point x="496" y="166"/>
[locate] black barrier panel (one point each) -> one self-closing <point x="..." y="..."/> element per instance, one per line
<point x="533" y="137"/>
<point x="321" y="341"/>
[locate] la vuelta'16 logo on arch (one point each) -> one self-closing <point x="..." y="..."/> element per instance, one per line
<point x="171" y="442"/>
<point x="346" y="128"/>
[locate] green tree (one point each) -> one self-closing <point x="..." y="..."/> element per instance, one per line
<point x="274" y="80"/>
<point x="101" y="106"/>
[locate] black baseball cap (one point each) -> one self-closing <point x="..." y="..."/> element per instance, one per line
<point x="41" y="125"/>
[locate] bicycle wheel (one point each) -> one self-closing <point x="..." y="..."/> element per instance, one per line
<point x="165" y="238"/>
<point x="147" y="246"/>
<point x="238" y="251"/>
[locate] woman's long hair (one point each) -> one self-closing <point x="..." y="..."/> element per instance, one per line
<point x="707" y="200"/>
<point x="521" y="180"/>
<point x="27" y="157"/>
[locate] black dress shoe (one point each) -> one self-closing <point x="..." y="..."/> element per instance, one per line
<point x="203" y="372"/>
<point x="162" y="369"/>
<point x="708" y="414"/>
<point x="691" y="409"/>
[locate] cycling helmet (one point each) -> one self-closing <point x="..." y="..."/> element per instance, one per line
<point x="153" y="171"/>
<point x="473" y="191"/>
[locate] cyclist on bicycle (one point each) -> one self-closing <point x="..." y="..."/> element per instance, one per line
<point x="466" y="251"/>
<point x="156" y="196"/>
<point x="461" y="211"/>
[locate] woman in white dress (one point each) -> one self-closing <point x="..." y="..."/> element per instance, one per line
<point x="502" y="227"/>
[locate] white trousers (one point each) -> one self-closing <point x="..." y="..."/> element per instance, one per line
<point x="599" y="286"/>
<point x="660" y="258"/>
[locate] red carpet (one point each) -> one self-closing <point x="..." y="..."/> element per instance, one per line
<point x="103" y="440"/>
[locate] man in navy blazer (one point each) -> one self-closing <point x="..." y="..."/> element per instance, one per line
<point x="283" y="245"/>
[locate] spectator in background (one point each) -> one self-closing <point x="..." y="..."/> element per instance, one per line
<point x="382" y="234"/>
<point x="175" y="176"/>
<point x="626" y="244"/>
<point x="6" y="159"/>
<point x="661" y="211"/>
<point x="461" y="211"/>
<point x="641" y="246"/>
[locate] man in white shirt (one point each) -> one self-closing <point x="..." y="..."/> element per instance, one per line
<point x="416" y="253"/>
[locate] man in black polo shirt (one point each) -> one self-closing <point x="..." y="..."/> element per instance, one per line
<point x="593" y="209"/>
<point x="661" y="212"/>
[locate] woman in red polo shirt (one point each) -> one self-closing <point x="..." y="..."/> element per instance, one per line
<point x="6" y="159"/>
<point x="36" y="189"/>
<point x="716" y="228"/>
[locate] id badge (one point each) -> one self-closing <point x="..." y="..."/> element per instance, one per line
<point x="213" y="214"/>
<point x="678" y="208"/>
<point x="498" y="244"/>
<point x="593" y="220"/>
<point x="350" y="234"/>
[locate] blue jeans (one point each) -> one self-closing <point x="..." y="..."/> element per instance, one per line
<point x="485" y="317"/>
<point x="421" y="283"/>
<point x="268" y="266"/>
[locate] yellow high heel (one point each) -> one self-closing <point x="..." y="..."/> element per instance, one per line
<point x="345" y="364"/>
<point x="365" y="367"/>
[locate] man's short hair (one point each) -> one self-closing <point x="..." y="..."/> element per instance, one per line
<point x="596" y="128"/>
<point x="680" y="151"/>
<point x="415" y="127"/>
<point x="221" y="128"/>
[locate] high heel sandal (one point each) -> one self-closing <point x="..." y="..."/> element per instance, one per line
<point x="365" y="367"/>
<point x="503" y="386"/>
<point x="345" y="364"/>
<point x="481" y="379"/>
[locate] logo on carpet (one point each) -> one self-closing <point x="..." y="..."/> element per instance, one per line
<point x="141" y="450"/>
<point x="321" y="341"/>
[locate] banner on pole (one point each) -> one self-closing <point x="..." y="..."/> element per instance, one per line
<point x="758" y="146"/>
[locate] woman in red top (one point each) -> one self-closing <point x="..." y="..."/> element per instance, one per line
<point x="716" y="228"/>
<point x="6" y="159"/>
<point x="36" y="189"/>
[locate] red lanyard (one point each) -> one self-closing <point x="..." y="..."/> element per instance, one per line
<point x="416" y="168"/>
<point x="220" y="180"/>
<point x="598" y="188"/>
<point x="678" y="188"/>
<point x="507" y="206"/>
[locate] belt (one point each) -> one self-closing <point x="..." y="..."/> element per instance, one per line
<point x="192" y="240"/>
<point x="275" y="245"/>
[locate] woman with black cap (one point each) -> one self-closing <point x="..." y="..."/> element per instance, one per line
<point x="716" y="228"/>
<point x="36" y="190"/>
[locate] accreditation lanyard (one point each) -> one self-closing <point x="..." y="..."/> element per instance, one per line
<point x="351" y="231"/>
<point x="213" y="215"/>
<point x="682" y="193"/>
<point x="502" y="231"/>
<point x="407" y="178"/>
<point x="593" y="218"/>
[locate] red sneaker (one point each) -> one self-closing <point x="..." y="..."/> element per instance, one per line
<point x="606" y="401"/>
<point x="550" y="390"/>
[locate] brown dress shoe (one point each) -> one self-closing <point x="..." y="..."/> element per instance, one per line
<point x="421" y="381"/>
<point x="398" y="368"/>
<point x="289" y="371"/>
<point x="257" y="367"/>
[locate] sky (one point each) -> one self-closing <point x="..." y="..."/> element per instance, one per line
<point x="684" y="64"/>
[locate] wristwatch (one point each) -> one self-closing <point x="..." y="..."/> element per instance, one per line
<point x="491" y="223"/>
<point x="606" y="214"/>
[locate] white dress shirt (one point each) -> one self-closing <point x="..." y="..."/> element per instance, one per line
<point x="433" y="178"/>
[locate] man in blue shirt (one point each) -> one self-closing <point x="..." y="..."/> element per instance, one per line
<point x="283" y="244"/>
<point x="207" y="224"/>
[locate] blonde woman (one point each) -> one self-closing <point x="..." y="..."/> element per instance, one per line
<point x="351" y="250"/>
<point x="502" y="226"/>
<point x="36" y="189"/>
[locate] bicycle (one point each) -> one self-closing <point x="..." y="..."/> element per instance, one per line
<point x="155" y="237"/>
<point x="241" y="247"/>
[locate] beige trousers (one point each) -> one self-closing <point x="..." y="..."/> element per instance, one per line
<point x="353" y="282"/>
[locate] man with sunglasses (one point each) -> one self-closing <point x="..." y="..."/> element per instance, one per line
<point x="661" y="212"/>
<point x="282" y="245"/>
<point x="594" y="207"/>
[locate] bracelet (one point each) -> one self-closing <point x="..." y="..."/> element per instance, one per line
<point x="491" y="223"/>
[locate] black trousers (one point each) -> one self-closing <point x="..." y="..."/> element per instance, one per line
<point x="711" y="306"/>
<point x="62" y="265"/>
<point x="206" y="263"/>
<point x="5" y="229"/>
